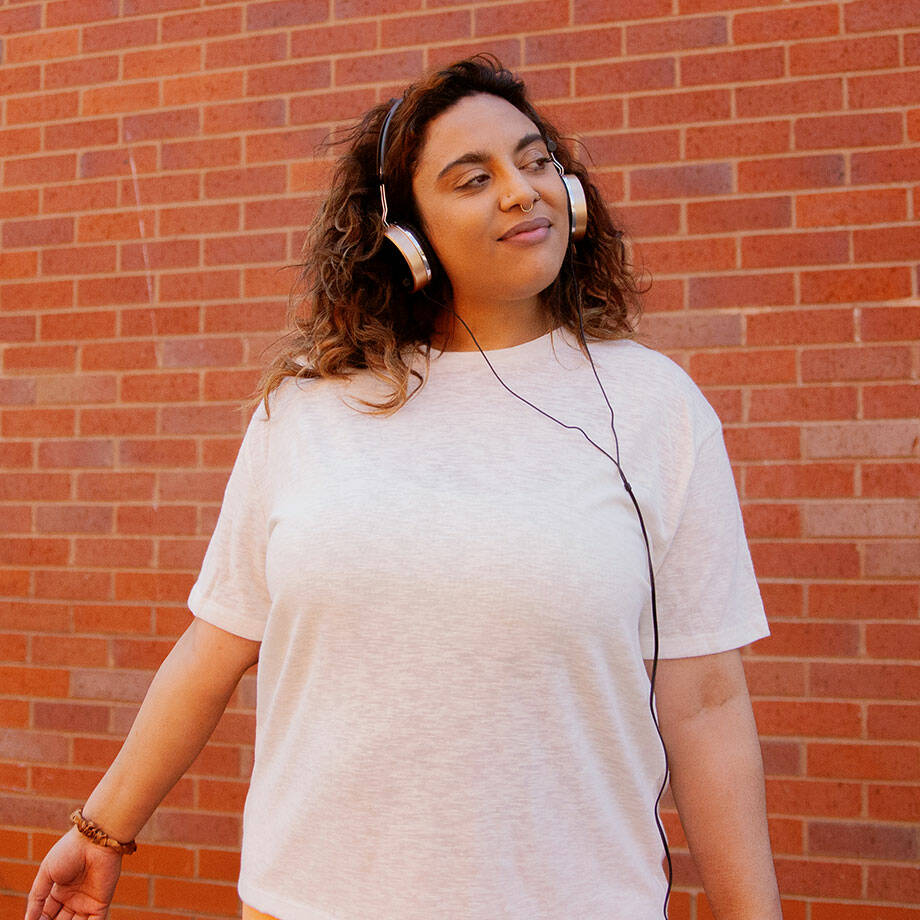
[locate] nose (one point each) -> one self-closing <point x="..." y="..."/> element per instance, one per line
<point x="517" y="191"/>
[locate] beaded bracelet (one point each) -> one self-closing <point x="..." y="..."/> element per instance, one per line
<point x="98" y="836"/>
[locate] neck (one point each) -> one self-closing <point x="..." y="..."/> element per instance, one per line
<point x="493" y="325"/>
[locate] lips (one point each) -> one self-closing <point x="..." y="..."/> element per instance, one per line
<point x="525" y="226"/>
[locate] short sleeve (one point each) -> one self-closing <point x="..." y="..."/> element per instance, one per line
<point x="707" y="595"/>
<point x="231" y="590"/>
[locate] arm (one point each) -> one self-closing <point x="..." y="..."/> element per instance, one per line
<point x="717" y="781"/>
<point x="183" y="705"/>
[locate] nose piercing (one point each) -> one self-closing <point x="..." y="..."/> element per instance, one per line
<point x="532" y="203"/>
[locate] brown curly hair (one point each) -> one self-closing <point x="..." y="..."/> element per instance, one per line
<point x="352" y="307"/>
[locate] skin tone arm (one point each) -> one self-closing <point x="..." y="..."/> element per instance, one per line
<point x="183" y="705"/>
<point x="717" y="781"/>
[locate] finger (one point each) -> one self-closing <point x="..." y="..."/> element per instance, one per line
<point x="40" y="890"/>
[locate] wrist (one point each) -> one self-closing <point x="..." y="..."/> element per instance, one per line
<point x="93" y="833"/>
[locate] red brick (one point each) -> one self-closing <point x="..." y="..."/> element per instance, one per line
<point x="120" y="35"/>
<point x="893" y="803"/>
<point x="161" y="62"/>
<point x="681" y="181"/>
<point x="161" y="321"/>
<point x="70" y="389"/>
<point x="70" y="12"/>
<point x="885" y="166"/>
<point x="81" y="72"/>
<point x="199" y="286"/>
<point x="785" y="24"/>
<point x="206" y="352"/>
<point x="851" y="207"/>
<point x="791" y="173"/>
<point x="844" y="56"/>
<point x="676" y="35"/>
<point x="792" y="327"/>
<point x="280" y="13"/>
<point x="24" y="19"/>
<point x="192" y="828"/>
<point x="115" y="163"/>
<point x="861" y="841"/>
<point x="39" y="359"/>
<point x="73" y="325"/>
<point x="837" y="911"/>
<point x="586" y="11"/>
<point x="879" y="324"/>
<point x="729" y="215"/>
<point x="897" y="243"/>
<point x="843" y="131"/>
<point x="748" y="290"/>
<point x="112" y="619"/>
<point x="793" y="249"/>
<point x="884" y="90"/>
<point x="458" y="24"/>
<point x="287" y="78"/>
<point x="118" y="356"/>
<point x="159" y="387"/>
<point x="912" y="48"/>
<point x="72" y="585"/>
<point x="860" y="362"/>
<point x="92" y="683"/>
<point x="789" y="97"/>
<point x="237" y="249"/>
<point x="127" y="97"/>
<point x="166" y="519"/>
<point x="625" y="77"/>
<point x="86" y="196"/>
<point x="792" y="403"/>
<point x="203" y="24"/>
<point x="79" y="260"/>
<point x="508" y="50"/>
<point x="517" y="17"/>
<point x="18" y="264"/>
<point x="894" y="722"/>
<point x="894" y="640"/>
<point x="148" y="256"/>
<point x="876" y="15"/>
<point x="116" y="421"/>
<point x="20" y="79"/>
<point x="766" y="443"/>
<point x="45" y="107"/>
<point x="805" y="560"/>
<point x="65" y="650"/>
<point x="200" y="419"/>
<point x="633" y="147"/>
<point x="113" y="553"/>
<point x="31" y="423"/>
<point x="237" y="183"/>
<point x="688" y="255"/>
<point x="861" y="439"/>
<point x="17" y="329"/>
<point x="182" y="554"/>
<point x="36" y="295"/>
<point x="732" y="66"/>
<point x="679" y="108"/>
<point x="891" y="401"/>
<point x="891" y="480"/>
<point x="855" y="680"/>
<point x="118" y="291"/>
<point x="162" y="452"/>
<point x="33" y="551"/>
<point x="812" y="640"/>
<point x="786" y="717"/>
<point x="811" y="480"/>
<point x="21" y="203"/>
<point x="644" y="220"/>
<point x="219" y="864"/>
<point x="255" y="49"/>
<point x="894" y="883"/>
<point x="40" y="170"/>
<point x="243" y="116"/>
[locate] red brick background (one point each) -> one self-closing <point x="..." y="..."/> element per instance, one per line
<point x="158" y="173"/>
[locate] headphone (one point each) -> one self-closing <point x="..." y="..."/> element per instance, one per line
<point x="415" y="249"/>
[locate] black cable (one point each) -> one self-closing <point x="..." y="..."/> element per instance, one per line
<point x="648" y="552"/>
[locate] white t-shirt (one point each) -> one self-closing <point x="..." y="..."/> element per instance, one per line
<point x="454" y="608"/>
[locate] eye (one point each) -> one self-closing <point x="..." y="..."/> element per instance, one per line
<point x="475" y="181"/>
<point x="538" y="164"/>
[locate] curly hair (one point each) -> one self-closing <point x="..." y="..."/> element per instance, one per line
<point x="352" y="307"/>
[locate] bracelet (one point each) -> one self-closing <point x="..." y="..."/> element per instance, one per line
<point x="98" y="836"/>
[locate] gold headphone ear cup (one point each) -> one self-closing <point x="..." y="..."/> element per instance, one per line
<point x="578" y="206"/>
<point x="412" y="250"/>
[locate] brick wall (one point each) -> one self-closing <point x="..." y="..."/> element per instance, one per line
<point x="158" y="173"/>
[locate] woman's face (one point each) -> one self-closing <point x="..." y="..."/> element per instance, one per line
<point x="482" y="162"/>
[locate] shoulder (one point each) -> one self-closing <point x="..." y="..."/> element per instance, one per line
<point x="656" y="385"/>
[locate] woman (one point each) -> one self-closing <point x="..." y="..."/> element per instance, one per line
<point x="444" y="576"/>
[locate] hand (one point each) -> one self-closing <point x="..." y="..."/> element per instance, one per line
<point x="75" y="881"/>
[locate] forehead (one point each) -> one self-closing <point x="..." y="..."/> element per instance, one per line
<point x="479" y="122"/>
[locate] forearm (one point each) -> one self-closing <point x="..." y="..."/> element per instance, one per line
<point x="717" y="783"/>
<point x="180" y="711"/>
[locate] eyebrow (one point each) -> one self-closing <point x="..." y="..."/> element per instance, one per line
<point x="480" y="156"/>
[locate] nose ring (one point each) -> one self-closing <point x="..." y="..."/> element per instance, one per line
<point x="532" y="203"/>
